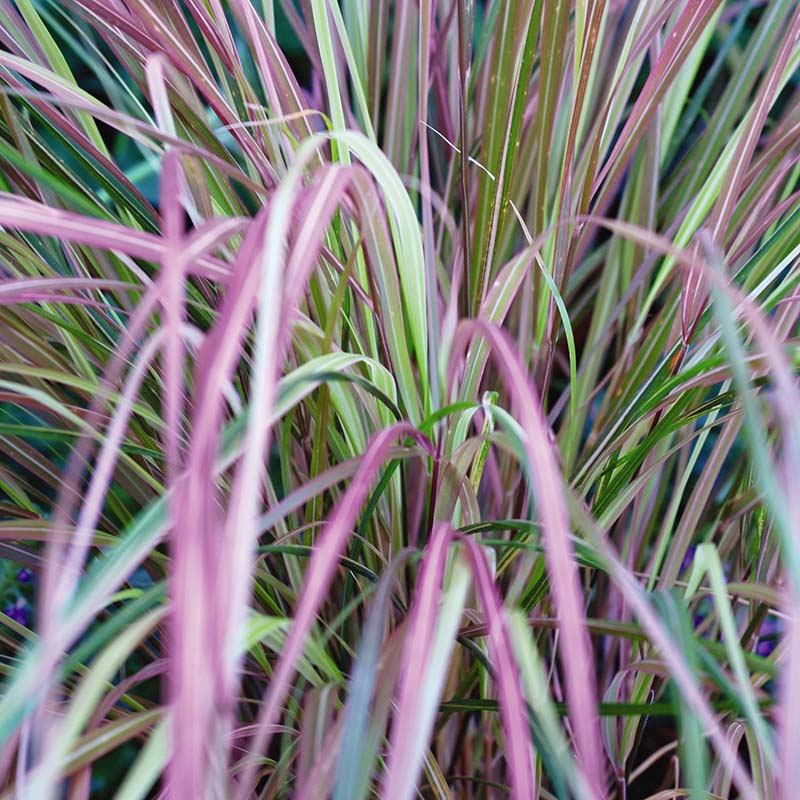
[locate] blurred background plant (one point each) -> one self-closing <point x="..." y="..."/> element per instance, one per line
<point x="399" y="399"/>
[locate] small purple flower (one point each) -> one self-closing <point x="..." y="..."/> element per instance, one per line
<point x="764" y="648"/>
<point x="688" y="558"/>
<point x="767" y="637"/>
<point x="24" y="575"/>
<point x="18" y="614"/>
<point x="701" y="620"/>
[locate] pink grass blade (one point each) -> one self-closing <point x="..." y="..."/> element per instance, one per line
<point x="172" y="298"/>
<point x="69" y="227"/>
<point x="415" y="715"/>
<point x="399" y="100"/>
<point x="426" y="18"/>
<point x="31" y="290"/>
<point x="62" y="578"/>
<point x="196" y="615"/>
<point x="694" y="16"/>
<point x="320" y="572"/>
<point x="352" y="770"/>
<point x="756" y="119"/>
<point x="575" y="651"/>
<point x="241" y="530"/>
<point x="513" y="710"/>
<point x="285" y="96"/>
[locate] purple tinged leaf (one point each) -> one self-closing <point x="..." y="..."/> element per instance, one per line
<point x="694" y="298"/>
<point x="157" y="87"/>
<point x="68" y="227"/>
<point x="216" y="31"/>
<point x="193" y="713"/>
<point x="172" y="32"/>
<point x="399" y="83"/>
<point x="756" y="119"/>
<point x="351" y="770"/>
<point x="64" y="569"/>
<point x="215" y="628"/>
<point x="135" y="329"/>
<point x="281" y="282"/>
<point x="319" y="574"/>
<point x="116" y="16"/>
<point x="513" y="710"/>
<point x="693" y="18"/>
<point x="68" y="573"/>
<point x="409" y="738"/>
<point x="172" y="299"/>
<point x="282" y="89"/>
<point x="575" y="651"/>
<point x="196" y="628"/>
<point x="31" y="290"/>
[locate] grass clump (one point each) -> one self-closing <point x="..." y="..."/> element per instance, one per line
<point x="399" y="399"/>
